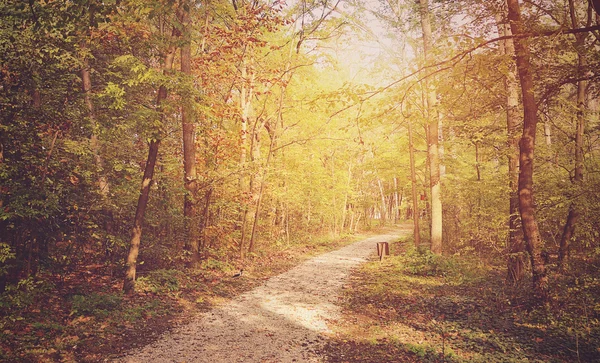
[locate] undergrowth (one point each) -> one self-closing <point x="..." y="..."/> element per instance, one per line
<point x="83" y="316"/>
<point x="419" y="307"/>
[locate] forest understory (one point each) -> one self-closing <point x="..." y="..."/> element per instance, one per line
<point x="411" y="307"/>
<point x="84" y="316"/>
<point x="419" y="307"/>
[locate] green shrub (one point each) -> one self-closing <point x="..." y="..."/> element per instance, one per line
<point x="95" y="304"/>
<point x="160" y="281"/>
<point x="6" y="253"/>
<point x="24" y="293"/>
<point x="423" y="262"/>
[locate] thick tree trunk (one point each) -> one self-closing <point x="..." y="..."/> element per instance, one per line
<point x="516" y="247"/>
<point x="136" y="234"/>
<point x="531" y="231"/>
<point x="433" y="138"/>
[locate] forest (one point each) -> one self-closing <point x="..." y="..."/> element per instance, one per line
<point x="151" y="147"/>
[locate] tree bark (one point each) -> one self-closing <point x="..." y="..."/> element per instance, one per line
<point x="573" y="216"/>
<point x="103" y="186"/>
<point x="533" y="239"/>
<point x="136" y="234"/>
<point x="413" y="182"/>
<point x="246" y="92"/>
<point x="433" y="137"/>
<point x="190" y="208"/>
<point x="383" y="213"/>
<point x="396" y="201"/>
<point x="516" y="247"/>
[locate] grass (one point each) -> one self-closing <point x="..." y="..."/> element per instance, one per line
<point x="417" y="307"/>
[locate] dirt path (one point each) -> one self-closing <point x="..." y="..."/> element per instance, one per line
<point x="284" y="320"/>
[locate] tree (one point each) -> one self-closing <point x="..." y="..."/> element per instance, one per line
<point x="582" y="83"/>
<point x="516" y="248"/>
<point x="190" y="208"/>
<point x="153" y="146"/>
<point x="531" y="231"/>
<point x="432" y="135"/>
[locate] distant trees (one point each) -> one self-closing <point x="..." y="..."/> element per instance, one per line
<point x="189" y="97"/>
<point x="477" y="86"/>
<point x="268" y="131"/>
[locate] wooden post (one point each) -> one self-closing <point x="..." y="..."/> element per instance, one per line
<point x="383" y="249"/>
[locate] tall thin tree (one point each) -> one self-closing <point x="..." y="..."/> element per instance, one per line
<point x="153" y="146"/>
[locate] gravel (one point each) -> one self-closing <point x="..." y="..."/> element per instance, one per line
<point x="287" y="319"/>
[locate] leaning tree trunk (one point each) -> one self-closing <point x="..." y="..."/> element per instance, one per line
<point x="516" y="247"/>
<point x="531" y="231"/>
<point x="136" y="233"/>
<point x="432" y="139"/>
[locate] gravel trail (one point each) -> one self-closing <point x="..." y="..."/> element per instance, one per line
<point x="284" y="320"/>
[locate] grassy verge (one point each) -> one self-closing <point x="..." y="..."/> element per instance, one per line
<point x="84" y="317"/>
<point x="417" y="307"/>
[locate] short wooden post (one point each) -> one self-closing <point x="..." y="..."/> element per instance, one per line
<point x="383" y="249"/>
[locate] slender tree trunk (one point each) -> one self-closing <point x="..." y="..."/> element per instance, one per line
<point x="413" y="182"/>
<point x="136" y="234"/>
<point x="433" y="137"/>
<point x="260" y="195"/>
<point x="396" y="201"/>
<point x="477" y="169"/>
<point x="190" y="208"/>
<point x="383" y="208"/>
<point x="573" y="216"/>
<point x="516" y="247"/>
<point x="245" y="185"/>
<point x="346" y="193"/>
<point x="334" y="199"/>
<point x="103" y="185"/>
<point x="531" y="231"/>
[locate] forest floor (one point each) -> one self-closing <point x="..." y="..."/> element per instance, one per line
<point x="342" y="306"/>
<point x="419" y="307"/>
<point x="82" y="315"/>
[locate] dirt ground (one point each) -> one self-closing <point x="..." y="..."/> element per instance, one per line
<point x="284" y="320"/>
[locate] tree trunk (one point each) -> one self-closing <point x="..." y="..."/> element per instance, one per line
<point x="190" y="209"/>
<point x="516" y="247"/>
<point x="261" y="189"/>
<point x="245" y="185"/>
<point x="533" y="239"/>
<point x="477" y="168"/>
<point x="433" y="138"/>
<point x="573" y="216"/>
<point x="397" y="201"/>
<point x="383" y="207"/>
<point x="103" y="186"/>
<point x="345" y="204"/>
<point x="136" y="234"/>
<point x="413" y="182"/>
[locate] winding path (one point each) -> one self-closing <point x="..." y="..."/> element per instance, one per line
<point x="284" y="320"/>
